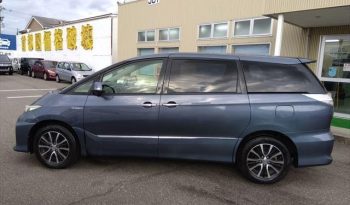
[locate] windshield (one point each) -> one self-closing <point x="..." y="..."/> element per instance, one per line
<point x="80" y="67"/>
<point x="51" y="65"/>
<point x="4" y="58"/>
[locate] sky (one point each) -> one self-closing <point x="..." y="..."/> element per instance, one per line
<point x="17" y="13"/>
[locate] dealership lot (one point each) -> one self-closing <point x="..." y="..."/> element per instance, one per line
<point x="138" y="181"/>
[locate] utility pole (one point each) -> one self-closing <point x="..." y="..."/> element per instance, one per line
<point x="1" y="17"/>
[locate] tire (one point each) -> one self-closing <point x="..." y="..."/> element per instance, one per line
<point x="45" y="76"/>
<point x="73" y="80"/>
<point x="21" y="72"/>
<point x="47" y="150"/>
<point x="58" y="80"/>
<point x="29" y="73"/>
<point x="11" y="73"/>
<point x="264" y="168"/>
<point x="33" y="74"/>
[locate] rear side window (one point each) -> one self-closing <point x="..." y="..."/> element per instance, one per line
<point x="203" y="76"/>
<point x="280" y="78"/>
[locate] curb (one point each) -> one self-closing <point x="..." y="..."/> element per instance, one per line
<point x="341" y="139"/>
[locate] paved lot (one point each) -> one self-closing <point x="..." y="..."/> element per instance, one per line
<point x="147" y="181"/>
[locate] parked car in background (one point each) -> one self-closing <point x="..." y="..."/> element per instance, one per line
<point x="5" y="64"/>
<point x="44" y="69"/>
<point x="15" y="64"/>
<point x="26" y="65"/>
<point x="257" y="112"/>
<point x="72" y="71"/>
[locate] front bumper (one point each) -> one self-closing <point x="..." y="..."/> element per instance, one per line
<point x="23" y="129"/>
<point x="5" y="69"/>
<point x="314" y="149"/>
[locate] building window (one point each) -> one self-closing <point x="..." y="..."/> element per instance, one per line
<point x="169" y="50"/>
<point x="169" y="34"/>
<point x="253" y="27"/>
<point x="215" y="30"/>
<point x="146" y="36"/>
<point x="145" y="51"/>
<point x="256" y="49"/>
<point x="334" y="70"/>
<point x="212" y="49"/>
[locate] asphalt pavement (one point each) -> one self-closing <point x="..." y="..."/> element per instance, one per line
<point x="23" y="180"/>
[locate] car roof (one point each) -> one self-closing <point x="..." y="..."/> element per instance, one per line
<point x="255" y="58"/>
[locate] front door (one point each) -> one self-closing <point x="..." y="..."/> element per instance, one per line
<point x="123" y="121"/>
<point x="203" y="111"/>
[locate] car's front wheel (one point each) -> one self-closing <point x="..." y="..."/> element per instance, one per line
<point x="58" y="80"/>
<point x="73" y="80"/>
<point x="55" y="146"/>
<point x="264" y="160"/>
<point x="45" y="76"/>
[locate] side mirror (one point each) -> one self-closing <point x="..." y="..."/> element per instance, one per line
<point x="97" y="89"/>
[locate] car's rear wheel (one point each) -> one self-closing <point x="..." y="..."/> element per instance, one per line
<point x="11" y="72"/>
<point x="58" y="79"/>
<point x="45" y="76"/>
<point x="28" y="73"/>
<point x="55" y="146"/>
<point x="33" y="74"/>
<point x="73" y="80"/>
<point x="264" y="160"/>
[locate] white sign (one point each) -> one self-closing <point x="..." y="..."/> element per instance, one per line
<point x="152" y="2"/>
<point x="346" y="67"/>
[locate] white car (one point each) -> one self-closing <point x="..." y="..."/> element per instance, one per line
<point x="5" y="42"/>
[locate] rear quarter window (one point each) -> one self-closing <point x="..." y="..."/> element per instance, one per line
<point x="280" y="78"/>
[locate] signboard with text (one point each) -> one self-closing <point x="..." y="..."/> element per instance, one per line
<point x="8" y="42"/>
<point x="152" y="2"/>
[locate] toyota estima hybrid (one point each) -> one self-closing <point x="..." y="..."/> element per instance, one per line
<point x="261" y="113"/>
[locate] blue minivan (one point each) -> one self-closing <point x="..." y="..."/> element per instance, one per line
<point x="258" y="112"/>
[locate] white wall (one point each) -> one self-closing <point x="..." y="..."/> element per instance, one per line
<point x="97" y="58"/>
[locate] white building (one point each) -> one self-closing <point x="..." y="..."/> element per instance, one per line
<point x="58" y="40"/>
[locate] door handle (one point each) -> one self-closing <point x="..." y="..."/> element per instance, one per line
<point x="148" y="105"/>
<point x="171" y="104"/>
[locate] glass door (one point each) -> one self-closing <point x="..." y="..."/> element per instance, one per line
<point x="334" y="70"/>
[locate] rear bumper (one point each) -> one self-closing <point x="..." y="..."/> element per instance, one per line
<point x="314" y="149"/>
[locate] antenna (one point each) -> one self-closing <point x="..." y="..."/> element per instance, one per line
<point x="1" y="17"/>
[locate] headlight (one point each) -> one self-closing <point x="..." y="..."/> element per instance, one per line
<point x="29" y="108"/>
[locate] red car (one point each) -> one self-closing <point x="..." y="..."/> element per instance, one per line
<point x="44" y="69"/>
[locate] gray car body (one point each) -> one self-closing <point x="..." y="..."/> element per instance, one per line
<point x="67" y="75"/>
<point x="203" y="127"/>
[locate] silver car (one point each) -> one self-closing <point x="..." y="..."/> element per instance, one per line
<point x="72" y="71"/>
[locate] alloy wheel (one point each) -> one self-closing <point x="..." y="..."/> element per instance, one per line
<point x="265" y="161"/>
<point x="53" y="147"/>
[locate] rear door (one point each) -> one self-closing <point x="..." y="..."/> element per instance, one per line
<point x="66" y="72"/>
<point x="203" y="110"/>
